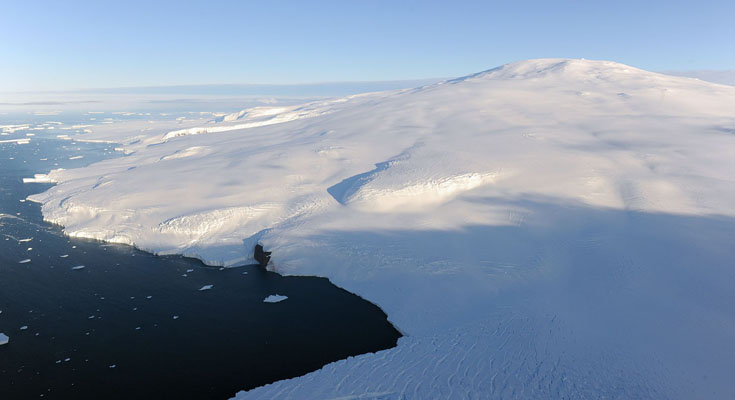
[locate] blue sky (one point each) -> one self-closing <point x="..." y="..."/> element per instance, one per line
<point x="53" y="45"/>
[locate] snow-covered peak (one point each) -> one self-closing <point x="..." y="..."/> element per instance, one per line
<point x="565" y="69"/>
<point x="571" y="210"/>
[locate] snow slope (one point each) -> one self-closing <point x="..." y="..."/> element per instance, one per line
<point x="549" y="228"/>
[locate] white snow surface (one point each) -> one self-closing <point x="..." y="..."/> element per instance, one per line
<point x="547" y="229"/>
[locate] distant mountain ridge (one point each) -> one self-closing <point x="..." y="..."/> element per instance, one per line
<point x="724" y="77"/>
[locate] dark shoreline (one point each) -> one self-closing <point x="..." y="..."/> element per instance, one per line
<point x="178" y="343"/>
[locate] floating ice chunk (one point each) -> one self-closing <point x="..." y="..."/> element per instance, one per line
<point x="112" y="366"/>
<point x="189" y="270"/>
<point x="78" y="267"/>
<point x="76" y="157"/>
<point x="274" y="298"/>
<point x="39" y="178"/>
<point x="4" y="339"/>
<point x="16" y="141"/>
<point x="206" y="287"/>
<point x="25" y="240"/>
<point x="176" y="317"/>
<point x="27" y="260"/>
<point x="64" y="255"/>
<point x="24" y="327"/>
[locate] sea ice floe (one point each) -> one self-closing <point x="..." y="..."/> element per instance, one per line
<point x="27" y="260"/>
<point x="24" y="327"/>
<point x="39" y="178"/>
<point x="274" y="298"/>
<point x="78" y="267"/>
<point x="16" y="141"/>
<point x="4" y="339"/>
<point x="206" y="287"/>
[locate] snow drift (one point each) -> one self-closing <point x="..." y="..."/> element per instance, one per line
<point x="548" y="228"/>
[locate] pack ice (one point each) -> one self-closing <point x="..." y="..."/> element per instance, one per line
<point x="547" y="229"/>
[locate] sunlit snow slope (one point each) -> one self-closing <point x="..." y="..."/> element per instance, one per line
<point x="550" y="228"/>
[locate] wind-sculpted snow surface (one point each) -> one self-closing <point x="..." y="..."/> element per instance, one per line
<point x="546" y="229"/>
<point x="261" y="116"/>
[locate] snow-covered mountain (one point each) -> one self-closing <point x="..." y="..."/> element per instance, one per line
<point x="725" y="77"/>
<point x="549" y="228"/>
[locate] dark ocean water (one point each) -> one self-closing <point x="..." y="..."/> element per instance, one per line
<point x="131" y="325"/>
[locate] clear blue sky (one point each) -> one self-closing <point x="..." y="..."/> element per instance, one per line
<point x="87" y="44"/>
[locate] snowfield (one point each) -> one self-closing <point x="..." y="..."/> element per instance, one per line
<point x="546" y="229"/>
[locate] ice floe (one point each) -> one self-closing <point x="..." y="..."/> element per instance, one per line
<point x="274" y="298"/>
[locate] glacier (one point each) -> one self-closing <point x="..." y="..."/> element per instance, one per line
<point x="551" y="228"/>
